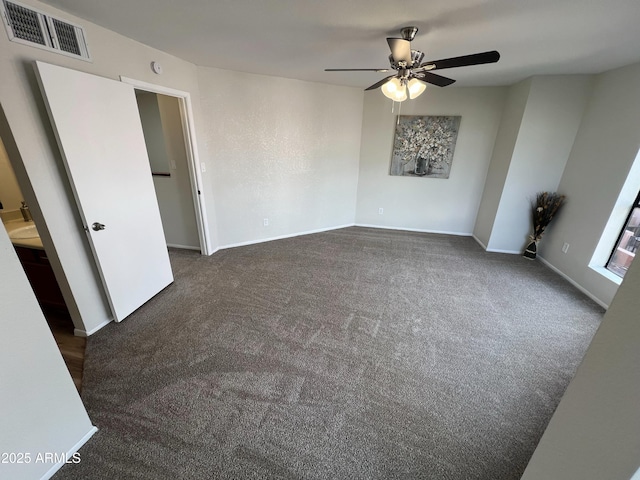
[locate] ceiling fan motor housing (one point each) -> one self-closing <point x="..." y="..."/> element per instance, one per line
<point x="409" y="33"/>
<point x="416" y="58"/>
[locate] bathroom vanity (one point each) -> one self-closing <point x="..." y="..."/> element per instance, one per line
<point x="33" y="258"/>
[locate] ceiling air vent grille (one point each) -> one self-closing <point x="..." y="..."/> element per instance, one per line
<point x="32" y="27"/>
<point x="67" y="36"/>
<point x="26" y="24"/>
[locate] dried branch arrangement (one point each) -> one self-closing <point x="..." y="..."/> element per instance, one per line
<point x="545" y="206"/>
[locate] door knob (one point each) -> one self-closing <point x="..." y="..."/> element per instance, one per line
<point x="97" y="226"/>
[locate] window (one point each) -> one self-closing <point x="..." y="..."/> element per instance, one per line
<point x="628" y="242"/>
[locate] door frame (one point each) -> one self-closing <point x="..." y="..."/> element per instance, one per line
<point x="193" y="159"/>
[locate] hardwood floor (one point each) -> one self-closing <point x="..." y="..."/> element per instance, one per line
<point x="71" y="347"/>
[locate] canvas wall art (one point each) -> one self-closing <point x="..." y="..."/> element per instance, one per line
<point x="423" y="146"/>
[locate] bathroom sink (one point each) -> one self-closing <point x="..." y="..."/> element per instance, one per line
<point x="22" y="233"/>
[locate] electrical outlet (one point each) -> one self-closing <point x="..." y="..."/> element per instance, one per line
<point x="380" y="211"/>
<point x="266" y="222"/>
<point x="565" y="248"/>
<point x="203" y="167"/>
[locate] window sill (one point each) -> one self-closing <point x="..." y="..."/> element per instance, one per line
<point x="606" y="274"/>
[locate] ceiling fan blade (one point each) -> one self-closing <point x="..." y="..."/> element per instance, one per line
<point x="434" y="79"/>
<point x="356" y="70"/>
<point x="400" y="50"/>
<point x="380" y="83"/>
<point x="463" y="61"/>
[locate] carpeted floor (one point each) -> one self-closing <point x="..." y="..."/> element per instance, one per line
<point x="355" y="353"/>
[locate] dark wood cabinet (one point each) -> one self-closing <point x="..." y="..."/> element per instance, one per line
<point x="40" y="274"/>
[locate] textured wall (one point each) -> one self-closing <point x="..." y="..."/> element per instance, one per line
<point x="547" y="129"/>
<point x="510" y="121"/>
<point x="603" y="152"/>
<point x="443" y="205"/>
<point x="281" y="149"/>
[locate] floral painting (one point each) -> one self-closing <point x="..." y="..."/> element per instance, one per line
<point x="423" y="146"/>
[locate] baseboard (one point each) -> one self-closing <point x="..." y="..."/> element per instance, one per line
<point x="420" y="230"/>
<point x="496" y="250"/>
<point x="484" y="247"/>
<point x="78" y="332"/>
<point x="51" y="472"/>
<point x="280" y="237"/>
<point x="510" y="252"/>
<point x="574" y="283"/>
<point x="183" y="247"/>
<point x="320" y="230"/>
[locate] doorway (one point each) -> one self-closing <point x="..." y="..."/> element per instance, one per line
<point x="163" y="134"/>
<point x="175" y="110"/>
<point x="22" y="230"/>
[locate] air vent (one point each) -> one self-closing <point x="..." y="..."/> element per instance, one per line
<point x="29" y="26"/>
<point x="26" y="24"/>
<point x="69" y="38"/>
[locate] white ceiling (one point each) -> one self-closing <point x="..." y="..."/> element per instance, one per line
<point x="300" y="38"/>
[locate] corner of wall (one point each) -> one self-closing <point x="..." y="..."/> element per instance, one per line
<point x="502" y="153"/>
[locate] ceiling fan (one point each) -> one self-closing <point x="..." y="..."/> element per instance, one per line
<point x="412" y="73"/>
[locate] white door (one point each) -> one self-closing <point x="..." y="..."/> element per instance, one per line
<point x="98" y="129"/>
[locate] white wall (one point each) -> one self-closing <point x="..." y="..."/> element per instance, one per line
<point x="10" y="194"/>
<point x="174" y="193"/>
<point x="51" y="200"/>
<point x="548" y="128"/>
<point x="602" y="155"/>
<point x="595" y="432"/>
<point x="153" y="134"/>
<point x="41" y="409"/>
<point x="430" y="204"/>
<point x="281" y="149"/>
<point x="505" y="143"/>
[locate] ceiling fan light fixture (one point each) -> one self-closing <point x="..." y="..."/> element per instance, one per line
<point x="395" y="90"/>
<point x="416" y="88"/>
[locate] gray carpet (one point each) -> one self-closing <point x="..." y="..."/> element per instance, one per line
<point x="355" y="353"/>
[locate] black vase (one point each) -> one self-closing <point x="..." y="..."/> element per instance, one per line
<point x="531" y="251"/>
